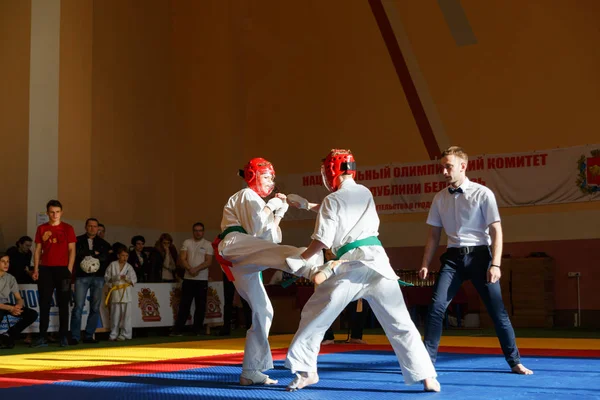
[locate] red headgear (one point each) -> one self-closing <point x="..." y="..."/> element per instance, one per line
<point x="252" y="172"/>
<point x="338" y="162"/>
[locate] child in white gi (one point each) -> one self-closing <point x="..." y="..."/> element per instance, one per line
<point x="348" y="224"/>
<point x="247" y="246"/>
<point x="120" y="277"/>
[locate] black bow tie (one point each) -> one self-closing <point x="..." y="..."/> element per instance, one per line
<point x="457" y="190"/>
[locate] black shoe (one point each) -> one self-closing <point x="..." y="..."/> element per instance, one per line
<point x="39" y="342"/>
<point x="73" y="342"/>
<point x="90" y="340"/>
<point x="6" y="342"/>
<point x="64" y="342"/>
<point x="224" y="333"/>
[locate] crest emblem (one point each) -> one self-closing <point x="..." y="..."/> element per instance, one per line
<point x="149" y="306"/>
<point x="588" y="179"/>
<point x="213" y="304"/>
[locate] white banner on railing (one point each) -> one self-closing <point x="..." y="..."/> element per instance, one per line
<point x="154" y="304"/>
<point x="563" y="175"/>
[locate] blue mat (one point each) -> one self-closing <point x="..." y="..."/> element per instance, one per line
<point x="348" y="376"/>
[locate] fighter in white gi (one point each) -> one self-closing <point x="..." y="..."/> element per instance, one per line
<point x="348" y="224"/>
<point x="247" y="246"/>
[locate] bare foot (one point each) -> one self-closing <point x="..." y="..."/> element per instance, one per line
<point x="302" y="380"/>
<point x="521" y="370"/>
<point x="255" y="378"/>
<point x="327" y="342"/>
<point x="431" y="385"/>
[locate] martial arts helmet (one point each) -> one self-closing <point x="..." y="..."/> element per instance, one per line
<point x="252" y="173"/>
<point x="338" y="162"/>
<point x="90" y="264"/>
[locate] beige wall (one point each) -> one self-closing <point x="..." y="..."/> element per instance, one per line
<point x="162" y="101"/>
<point x="133" y="158"/>
<point x="75" y="108"/>
<point x="15" y="31"/>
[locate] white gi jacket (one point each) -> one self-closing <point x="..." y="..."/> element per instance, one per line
<point x="113" y="278"/>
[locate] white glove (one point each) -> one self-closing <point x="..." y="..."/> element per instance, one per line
<point x="275" y="204"/>
<point x="300" y="200"/>
<point x="281" y="212"/>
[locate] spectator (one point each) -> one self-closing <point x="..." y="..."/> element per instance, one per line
<point x="164" y="259"/>
<point x="20" y="259"/>
<point x="121" y="277"/>
<point x="229" y="293"/>
<point x="88" y="245"/>
<point x="196" y="255"/>
<point x="52" y="268"/>
<point x="138" y="259"/>
<point x="101" y="231"/>
<point x="356" y="319"/>
<point x="27" y="316"/>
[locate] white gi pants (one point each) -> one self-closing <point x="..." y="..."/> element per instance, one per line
<point x="249" y="256"/>
<point x="351" y="282"/>
<point x="120" y="320"/>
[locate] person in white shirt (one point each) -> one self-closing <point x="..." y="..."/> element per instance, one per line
<point x="120" y="277"/>
<point x="248" y="245"/>
<point x="468" y="213"/>
<point x="347" y="223"/>
<point x="195" y="257"/>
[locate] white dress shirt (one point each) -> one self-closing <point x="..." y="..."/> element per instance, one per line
<point x="466" y="216"/>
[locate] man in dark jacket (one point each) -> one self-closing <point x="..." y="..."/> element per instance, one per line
<point x="88" y="245"/>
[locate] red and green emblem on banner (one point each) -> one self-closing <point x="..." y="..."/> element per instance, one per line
<point x="588" y="179"/>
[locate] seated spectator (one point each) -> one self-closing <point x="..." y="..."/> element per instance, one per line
<point x="20" y="259"/>
<point x="164" y="259"/>
<point x="27" y="316"/>
<point x="138" y="259"/>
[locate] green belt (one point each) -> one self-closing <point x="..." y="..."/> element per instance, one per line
<point x="235" y="228"/>
<point x="370" y="241"/>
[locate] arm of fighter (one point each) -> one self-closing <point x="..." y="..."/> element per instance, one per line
<point x="433" y="241"/>
<point x="494" y="273"/>
<point x="300" y="202"/>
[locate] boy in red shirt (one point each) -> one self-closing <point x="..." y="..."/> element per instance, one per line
<point x="53" y="265"/>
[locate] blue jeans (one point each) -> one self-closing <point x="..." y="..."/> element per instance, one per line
<point x="94" y="284"/>
<point x="456" y="269"/>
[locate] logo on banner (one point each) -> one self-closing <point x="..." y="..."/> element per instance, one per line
<point x="148" y="304"/>
<point x="213" y="304"/>
<point x="588" y="179"/>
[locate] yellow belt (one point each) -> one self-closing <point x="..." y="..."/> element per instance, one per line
<point x="112" y="289"/>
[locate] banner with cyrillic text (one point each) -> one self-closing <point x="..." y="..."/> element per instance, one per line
<point x="563" y="175"/>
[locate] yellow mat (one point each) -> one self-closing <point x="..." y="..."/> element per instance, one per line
<point x="105" y="356"/>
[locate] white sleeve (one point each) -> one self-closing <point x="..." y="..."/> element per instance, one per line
<point x="489" y="208"/>
<point x="434" y="218"/>
<point x="326" y="225"/>
<point x="209" y="249"/>
<point x="132" y="275"/>
<point x="184" y="245"/>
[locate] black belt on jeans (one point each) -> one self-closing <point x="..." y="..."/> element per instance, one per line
<point x="467" y="249"/>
